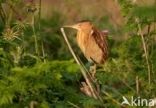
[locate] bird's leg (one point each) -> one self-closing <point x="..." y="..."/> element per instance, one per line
<point x="93" y="71"/>
<point x="85" y="89"/>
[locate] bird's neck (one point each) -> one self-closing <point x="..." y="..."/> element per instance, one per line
<point x="82" y="38"/>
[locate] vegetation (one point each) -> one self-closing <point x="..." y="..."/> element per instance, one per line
<point x="37" y="69"/>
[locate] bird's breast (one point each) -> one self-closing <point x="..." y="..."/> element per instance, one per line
<point x="81" y="40"/>
<point x="90" y="48"/>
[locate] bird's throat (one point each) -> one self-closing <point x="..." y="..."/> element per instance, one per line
<point x="81" y="40"/>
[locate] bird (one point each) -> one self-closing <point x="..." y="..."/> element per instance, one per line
<point x="92" y="41"/>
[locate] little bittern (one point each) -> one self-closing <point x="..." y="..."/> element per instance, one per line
<point x="91" y="41"/>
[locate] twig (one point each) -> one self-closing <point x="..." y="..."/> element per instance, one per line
<point x="35" y="36"/>
<point x="39" y="14"/>
<point x="86" y="70"/>
<point x="78" y="62"/>
<point x="18" y="15"/>
<point x="137" y="85"/>
<point x="2" y="14"/>
<point x="114" y="100"/>
<point x="75" y="106"/>
<point x="146" y="54"/>
<point x="43" y="53"/>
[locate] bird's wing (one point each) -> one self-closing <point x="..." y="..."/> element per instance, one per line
<point x="101" y="40"/>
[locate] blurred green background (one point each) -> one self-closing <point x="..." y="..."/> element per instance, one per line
<point x="38" y="71"/>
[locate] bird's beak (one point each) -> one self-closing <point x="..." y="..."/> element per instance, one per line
<point x="72" y="26"/>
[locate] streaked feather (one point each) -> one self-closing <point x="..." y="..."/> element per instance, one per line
<point x="101" y="41"/>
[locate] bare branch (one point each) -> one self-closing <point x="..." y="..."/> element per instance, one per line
<point x="78" y="62"/>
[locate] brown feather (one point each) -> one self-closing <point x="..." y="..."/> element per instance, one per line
<point x="101" y="40"/>
<point x="92" y="42"/>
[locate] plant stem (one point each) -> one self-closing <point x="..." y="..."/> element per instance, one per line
<point x="18" y="15"/>
<point x="2" y="14"/>
<point x="109" y="95"/>
<point x="146" y="54"/>
<point x="81" y="67"/>
<point x="75" y="106"/>
<point x="137" y="85"/>
<point x="39" y="14"/>
<point x="43" y="53"/>
<point x="35" y="36"/>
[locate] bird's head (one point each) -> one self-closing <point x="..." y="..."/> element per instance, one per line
<point x="83" y="25"/>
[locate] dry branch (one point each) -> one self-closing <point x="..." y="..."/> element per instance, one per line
<point x="89" y="83"/>
<point x="145" y="51"/>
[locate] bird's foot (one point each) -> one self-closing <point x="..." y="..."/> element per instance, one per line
<point x="93" y="71"/>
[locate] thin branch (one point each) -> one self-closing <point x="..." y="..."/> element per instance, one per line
<point x="2" y="14"/>
<point x="18" y="15"/>
<point x="43" y="53"/>
<point x="75" y="106"/>
<point x="137" y="85"/>
<point x="39" y="14"/>
<point x="78" y="62"/>
<point x="109" y="96"/>
<point x="146" y="54"/>
<point x="35" y="35"/>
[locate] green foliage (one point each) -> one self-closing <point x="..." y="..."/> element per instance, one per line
<point x="33" y="83"/>
<point x="36" y="66"/>
<point x="145" y="13"/>
<point x="126" y="6"/>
